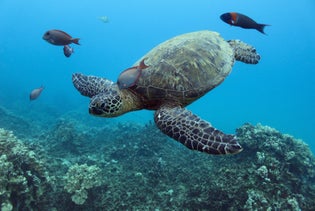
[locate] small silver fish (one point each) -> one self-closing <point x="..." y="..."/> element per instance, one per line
<point x="36" y="92"/>
<point x="58" y="37"/>
<point x="68" y="50"/>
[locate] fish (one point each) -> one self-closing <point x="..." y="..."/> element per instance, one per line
<point x="130" y="76"/>
<point x="58" y="37"/>
<point x="238" y="19"/>
<point x="36" y="92"/>
<point x="68" y="50"/>
<point x="104" y="19"/>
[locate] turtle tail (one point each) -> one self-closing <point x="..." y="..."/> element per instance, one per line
<point x="244" y="52"/>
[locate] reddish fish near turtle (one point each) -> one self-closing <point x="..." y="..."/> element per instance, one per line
<point x="58" y="37"/>
<point x="243" y="21"/>
<point x="68" y="50"/>
<point x="130" y="76"/>
<point x="36" y="92"/>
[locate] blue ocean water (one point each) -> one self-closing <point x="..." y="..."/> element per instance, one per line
<point x="278" y="92"/>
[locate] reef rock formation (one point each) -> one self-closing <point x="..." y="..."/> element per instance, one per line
<point x="79" y="179"/>
<point x="23" y="177"/>
<point x="134" y="167"/>
<point x="274" y="172"/>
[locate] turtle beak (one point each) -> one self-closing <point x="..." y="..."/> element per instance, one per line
<point x="97" y="106"/>
<point x="107" y="104"/>
<point x="96" y="111"/>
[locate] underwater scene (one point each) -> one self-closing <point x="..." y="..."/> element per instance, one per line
<point x="157" y="105"/>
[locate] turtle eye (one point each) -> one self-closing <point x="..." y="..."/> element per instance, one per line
<point x="47" y="33"/>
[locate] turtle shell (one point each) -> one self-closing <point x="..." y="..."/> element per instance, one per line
<point x="184" y="68"/>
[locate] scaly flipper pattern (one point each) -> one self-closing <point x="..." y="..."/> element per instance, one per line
<point x="90" y="86"/>
<point x="193" y="132"/>
<point x="244" y="52"/>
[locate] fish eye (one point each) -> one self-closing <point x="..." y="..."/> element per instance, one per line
<point x="47" y="33"/>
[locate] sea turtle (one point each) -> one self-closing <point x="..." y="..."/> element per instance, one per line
<point x="169" y="77"/>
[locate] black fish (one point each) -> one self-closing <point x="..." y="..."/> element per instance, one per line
<point x="67" y="50"/>
<point x="237" y="19"/>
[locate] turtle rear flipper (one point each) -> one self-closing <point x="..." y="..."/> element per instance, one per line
<point x="244" y="52"/>
<point x="90" y="86"/>
<point x="195" y="133"/>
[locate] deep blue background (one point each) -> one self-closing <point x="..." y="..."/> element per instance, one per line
<point x="278" y="92"/>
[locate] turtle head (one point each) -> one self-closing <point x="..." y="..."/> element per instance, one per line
<point x="113" y="102"/>
<point x="107" y="104"/>
<point x="107" y="100"/>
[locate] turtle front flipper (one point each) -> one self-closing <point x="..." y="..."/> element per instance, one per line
<point x="244" y="52"/>
<point x="195" y="133"/>
<point x="90" y="86"/>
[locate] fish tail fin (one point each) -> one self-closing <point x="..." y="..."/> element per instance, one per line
<point x="261" y="27"/>
<point x="76" y="41"/>
<point x="142" y="65"/>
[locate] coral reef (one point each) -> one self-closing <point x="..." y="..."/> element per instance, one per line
<point x="79" y="179"/>
<point x="274" y="172"/>
<point x="23" y="177"/>
<point x="146" y="170"/>
<point x="128" y="166"/>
